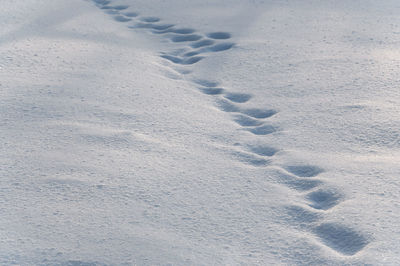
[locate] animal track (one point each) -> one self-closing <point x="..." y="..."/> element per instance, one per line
<point x="262" y="130"/>
<point x="324" y="199"/>
<point x="246" y="121"/>
<point x="219" y="35"/>
<point x="259" y="113"/>
<point x="237" y="97"/>
<point x="340" y="238"/>
<point x="301" y="178"/>
<point x="185" y="38"/>
<point x="131" y="14"/>
<point x="122" y="19"/>
<point x="206" y="83"/>
<point x="301" y="216"/>
<point x="263" y="150"/>
<point x="177" y="31"/>
<point x="187" y="61"/>
<point x="304" y="170"/>
<point x="150" y="19"/>
<point x="202" y="43"/>
<point x="212" y="91"/>
<point x="251" y="159"/>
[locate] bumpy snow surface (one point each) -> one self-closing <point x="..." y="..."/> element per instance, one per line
<point x="199" y="132"/>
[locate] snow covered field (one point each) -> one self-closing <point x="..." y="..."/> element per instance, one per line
<point x="199" y="132"/>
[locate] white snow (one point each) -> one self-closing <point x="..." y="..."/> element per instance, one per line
<point x="199" y="132"/>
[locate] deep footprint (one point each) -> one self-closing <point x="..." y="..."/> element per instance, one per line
<point x="262" y="130"/>
<point x="202" y="43"/>
<point x="122" y="19"/>
<point x="251" y="159"/>
<point x="341" y="238"/>
<point x="263" y="150"/>
<point x="177" y="31"/>
<point x="238" y="97"/>
<point x="150" y="19"/>
<point x="259" y="113"/>
<point x="131" y="14"/>
<point x="324" y="199"/>
<point x="227" y="106"/>
<point x="304" y="170"/>
<point x="212" y="91"/>
<point x="219" y="35"/>
<point x="185" y="38"/>
<point x="177" y="60"/>
<point x="300" y="216"/>
<point x="206" y="83"/>
<point x="246" y="121"/>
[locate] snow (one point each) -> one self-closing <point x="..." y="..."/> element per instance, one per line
<point x="199" y="132"/>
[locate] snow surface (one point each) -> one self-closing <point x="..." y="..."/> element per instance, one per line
<point x="258" y="132"/>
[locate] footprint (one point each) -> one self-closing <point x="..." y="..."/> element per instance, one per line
<point x="237" y="97"/>
<point x="298" y="184"/>
<point x="177" y="31"/>
<point x="251" y="159"/>
<point x="341" y="238"/>
<point x="221" y="47"/>
<point x="206" y="83"/>
<point x="324" y="199"/>
<point x="227" y="106"/>
<point x="212" y="91"/>
<point x="150" y="19"/>
<point x="192" y="53"/>
<point x="301" y="216"/>
<point x="259" y="113"/>
<point x="304" y="170"/>
<point x="246" y="121"/>
<point x="122" y="19"/>
<point x="112" y="12"/>
<point x="131" y="14"/>
<point x="177" y="60"/>
<point x="202" y="43"/>
<point x="186" y="38"/>
<point x="102" y="2"/>
<point x="262" y="130"/>
<point x="263" y="150"/>
<point x="121" y="7"/>
<point x="219" y="35"/>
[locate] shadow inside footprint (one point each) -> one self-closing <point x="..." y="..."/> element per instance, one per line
<point x="262" y="130"/>
<point x="177" y="31"/>
<point x="301" y="216"/>
<point x="251" y="159"/>
<point x="263" y="150"/>
<point x="324" y="199"/>
<point x="186" y="38"/>
<point x="227" y="106"/>
<point x="259" y="113"/>
<point x="246" y="121"/>
<point x="131" y="14"/>
<point x="304" y="170"/>
<point x="340" y="238"/>
<point x="220" y="47"/>
<point x="298" y="184"/>
<point x="150" y="19"/>
<point x="212" y="91"/>
<point x="122" y="19"/>
<point x="206" y="83"/>
<point x="237" y="97"/>
<point x="202" y="43"/>
<point x="219" y="35"/>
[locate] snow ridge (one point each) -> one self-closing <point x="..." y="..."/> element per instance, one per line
<point x="303" y="179"/>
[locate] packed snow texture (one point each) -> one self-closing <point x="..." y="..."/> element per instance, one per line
<point x="230" y="132"/>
